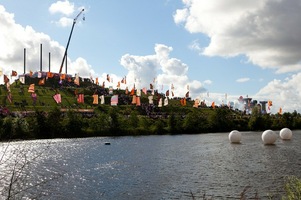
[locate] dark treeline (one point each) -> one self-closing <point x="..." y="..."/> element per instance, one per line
<point x="131" y="120"/>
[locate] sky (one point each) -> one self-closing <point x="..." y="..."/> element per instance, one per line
<point x="216" y="50"/>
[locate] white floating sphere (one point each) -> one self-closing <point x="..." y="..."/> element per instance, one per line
<point x="269" y="137"/>
<point x="286" y="134"/>
<point x="235" y="136"/>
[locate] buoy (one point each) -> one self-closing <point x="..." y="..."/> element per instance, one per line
<point x="269" y="137"/>
<point x="285" y="134"/>
<point x="235" y="136"/>
<point x="107" y="143"/>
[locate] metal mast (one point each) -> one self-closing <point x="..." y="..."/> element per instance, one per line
<point x="65" y="54"/>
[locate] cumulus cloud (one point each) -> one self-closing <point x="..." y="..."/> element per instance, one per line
<point x="285" y="94"/>
<point x="265" y="31"/>
<point x="242" y="80"/>
<point x="63" y="7"/>
<point x="160" y="67"/>
<point x="14" y="38"/>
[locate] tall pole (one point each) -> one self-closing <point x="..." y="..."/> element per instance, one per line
<point x="24" y="60"/>
<point x="40" y="57"/>
<point x="66" y="62"/>
<point x="49" y="60"/>
<point x="65" y="54"/>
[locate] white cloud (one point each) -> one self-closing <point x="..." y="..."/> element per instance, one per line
<point x="265" y="31"/>
<point x="64" y="22"/>
<point x="284" y="94"/>
<point x="63" y="7"/>
<point x="166" y="71"/>
<point x="207" y="82"/>
<point x="242" y="80"/>
<point x="14" y="38"/>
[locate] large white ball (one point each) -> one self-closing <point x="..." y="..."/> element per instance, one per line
<point x="269" y="137"/>
<point x="235" y="136"/>
<point x="286" y="134"/>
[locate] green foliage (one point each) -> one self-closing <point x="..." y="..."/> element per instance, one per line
<point x="292" y="189"/>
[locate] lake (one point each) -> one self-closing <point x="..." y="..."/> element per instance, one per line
<point x="150" y="167"/>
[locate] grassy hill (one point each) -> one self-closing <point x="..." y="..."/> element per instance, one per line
<point x="22" y="100"/>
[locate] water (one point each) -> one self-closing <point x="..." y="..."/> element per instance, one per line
<point x="151" y="167"/>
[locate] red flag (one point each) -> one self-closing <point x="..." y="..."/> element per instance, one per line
<point x="14" y="73"/>
<point x="151" y="86"/>
<point x="80" y="98"/>
<point x="57" y="97"/>
<point x="132" y="92"/>
<point x="49" y="75"/>
<point x="42" y="81"/>
<point x="5" y="79"/>
<point x="167" y="93"/>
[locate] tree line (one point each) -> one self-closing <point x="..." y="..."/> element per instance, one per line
<point x="131" y="120"/>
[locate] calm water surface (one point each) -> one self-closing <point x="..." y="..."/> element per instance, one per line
<point x="151" y="167"/>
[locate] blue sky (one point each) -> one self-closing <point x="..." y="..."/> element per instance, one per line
<point x="237" y="48"/>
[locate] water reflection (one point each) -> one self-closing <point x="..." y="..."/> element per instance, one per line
<point x="151" y="167"/>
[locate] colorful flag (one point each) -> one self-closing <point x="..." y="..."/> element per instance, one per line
<point x="134" y="100"/>
<point x="132" y="91"/>
<point x="57" y="98"/>
<point x="167" y="93"/>
<point x="166" y="101"/>
<point x="138" y="103"/>
<point x="42" y="81"/>
<point x="5" y="79"/>
<point x="22" y="79"/>
<point x="160" y="102"/>
<point x="63" y="76"/>
<point x="76" y="80"/>
<point x="102" y="99"/>
<point x="50" y="74"/>
<point x="151" y="86"/>
<point x="138" y="92"/>
<point x="34" y="97"/>
<point x="95" y="99"/>
<point x="80" y="98"/>
<point x="114" y="100"/>
<point x="31" y="88"/>
<point x="280" y="111"/>
<point x="213" y="104"/>
<point x="196" y="103"/>
<point x="150" y="99"/>
<point x="14" y="73"/>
